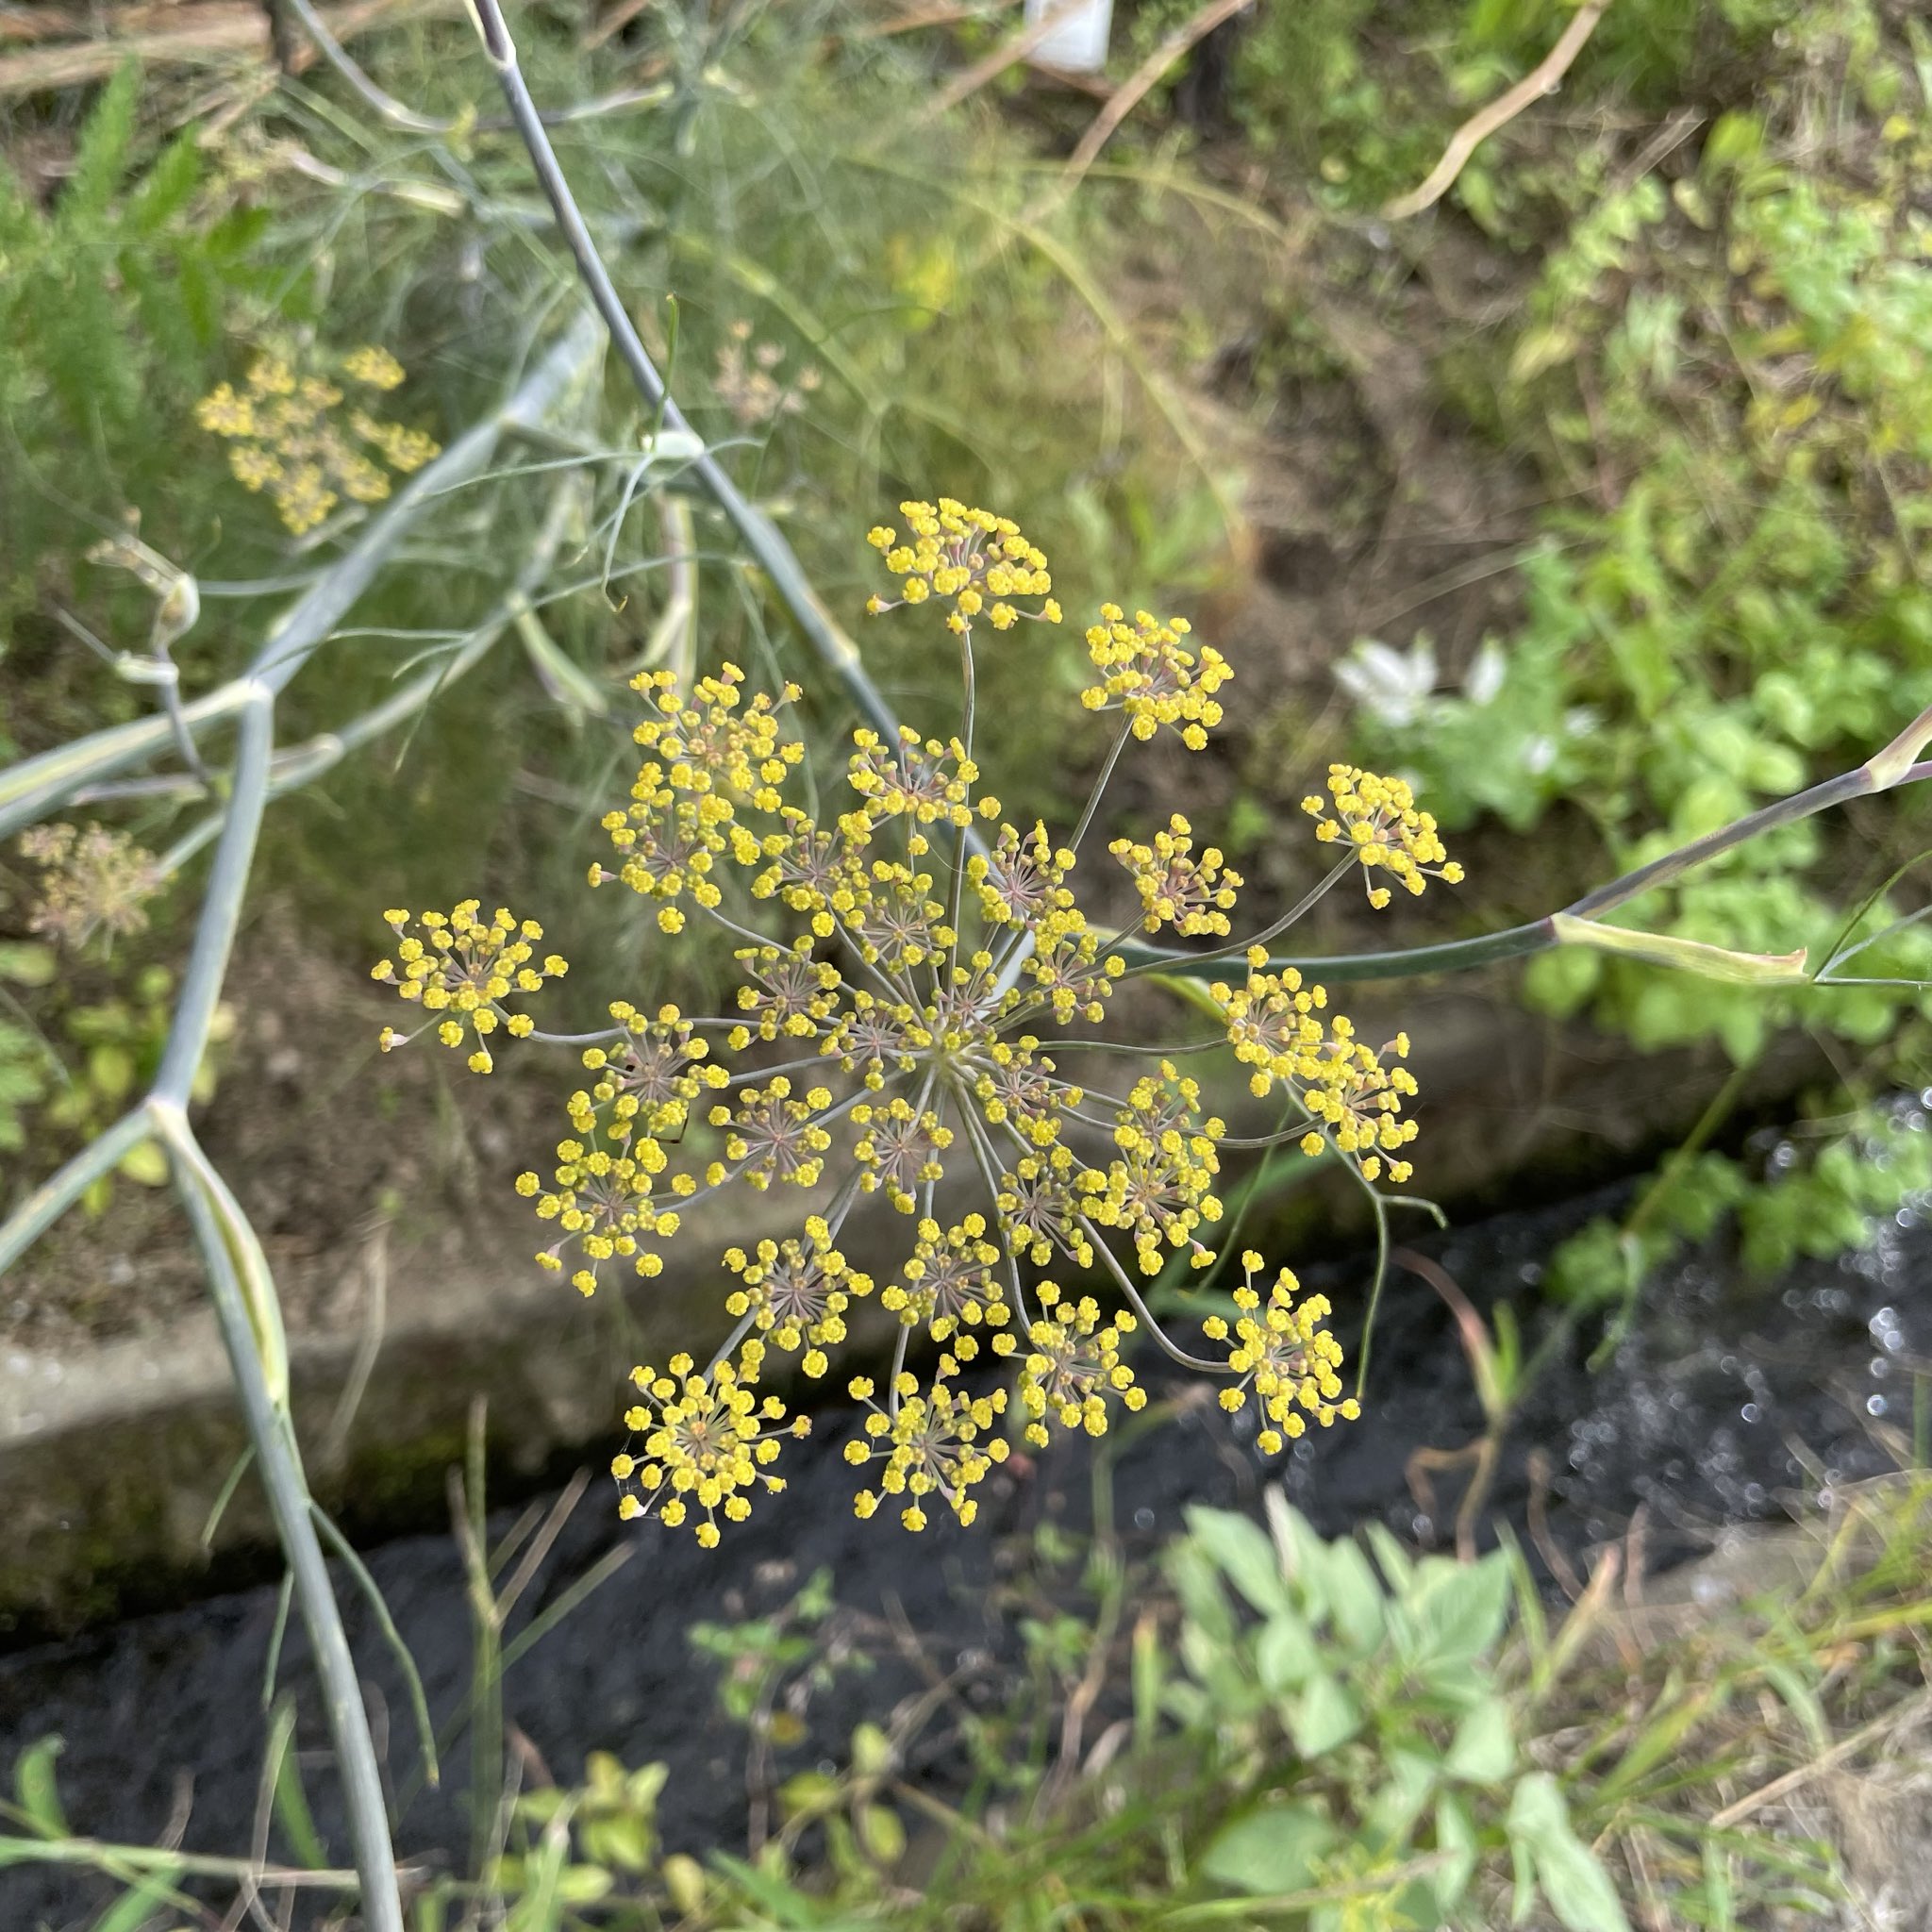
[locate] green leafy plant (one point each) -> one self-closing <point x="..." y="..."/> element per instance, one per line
<point x="1373" y="1697"/>
<point x="1837" y="1182"/>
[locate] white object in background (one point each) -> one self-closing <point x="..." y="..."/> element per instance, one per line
<point x="1077" y="43"/>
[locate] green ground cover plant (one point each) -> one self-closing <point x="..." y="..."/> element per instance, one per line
<point x="1713" y="362"/>
<point x="1250" y="1725"/>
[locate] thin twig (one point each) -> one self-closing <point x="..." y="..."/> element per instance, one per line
<point x="1895" y="1719"/>
<point x="383" y="103"/>
<point x="195" y="37"/>
<point x="613" y="23"/>
<point x="969" y="81"/>
<point x="93" y="1851"/>
<point x="941" y="14"/>
<point x="1139" y="83"/>
<point x="1542" y="80"/>
<point x="760" y="536"/>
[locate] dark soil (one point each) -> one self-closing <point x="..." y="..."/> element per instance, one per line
<point x="1727" y="1401"/>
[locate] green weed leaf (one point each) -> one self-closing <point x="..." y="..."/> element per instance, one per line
<point x="1567" y="1871"/>
<point x="33" y="1784"/>
<point x="1484" y="1750"/>
<point x="1243" y="1553"/>
<point x="1270" y="1851"/>
<point x="1324" y="1716"/>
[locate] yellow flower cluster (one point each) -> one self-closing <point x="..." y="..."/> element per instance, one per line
<point x="1340" y="1082"/>
<point x="936" y="1442"/>
<point x="92" y="881"/>
<point x="705" y="759"/>
<point x="465" y="968"/>
<point x="1283" y="1356"/>
<point x="602" y="1201"/>
<point x="796" y="1293"/>
<point x="965" y="555"/>
<point x="1149" y="675"/>
<point x="1378" y="817"/>
<point x="1160" y="1190"/>
<point x="287" y="438"/>
<point x="648" y="1081"/>
<point x="1192" y="894"/>
<point x="891" y="1040"/>
<point x="951" y="1288"/>
<point x="1075" y="1367"/>
<point x="708" y="1443"/>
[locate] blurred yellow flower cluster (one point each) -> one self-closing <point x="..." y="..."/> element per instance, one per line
<point x="287" y="435"/>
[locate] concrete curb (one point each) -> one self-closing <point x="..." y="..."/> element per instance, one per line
<point x="111" y="1457"/>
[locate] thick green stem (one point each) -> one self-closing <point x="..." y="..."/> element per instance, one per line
<point x="244" y="1248"/>
<point x="37" y="787"/>
<point x="288" y="1495"/>
<point x="221" y="911"/>
<point x="60" y="1190"/>
<point x="1519" y="942"/>
<point x="773" y="555"/>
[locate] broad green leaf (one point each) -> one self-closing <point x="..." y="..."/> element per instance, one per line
<point x="110" y="1070"/>
<point x="145" y="1162"/>
<point x="583" y="1885"/>
<point x="1460" y="1682"/>
<point x="1484" y="1750"/>
<point x="1567" y="1872"/>
<point x="1198" y="1586"/>
<point x="1459" y="1609"/>
<point x="1398" y="1566"/>
<point x="1285" y="1653"/>
<point x="1301" y="1555"/>
<point x="1324" y="1716"/>
<point x="1735" y="138"/>
<point x="1243" y="1553"/>
<point x="1538" y="349"/>
<point x="1392" y="1814"/>
<point x="1456" y="1835"/>
<point x="883" y="1833"/>
<point x="1270" y="1851"/>
<point x="624" y="1841"/>
<point x="1354" y="1598"/>
<point x="28" y="963"/>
